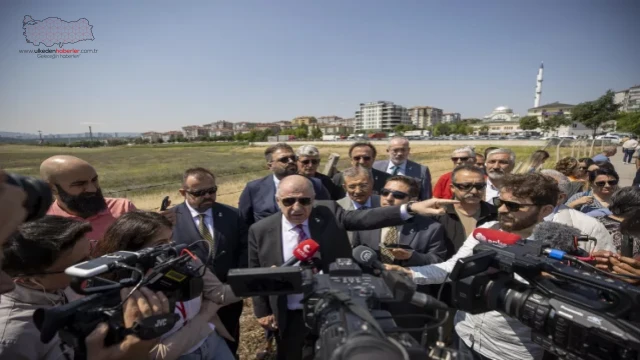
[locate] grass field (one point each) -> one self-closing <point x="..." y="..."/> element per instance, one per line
<point x="145" y="174"/>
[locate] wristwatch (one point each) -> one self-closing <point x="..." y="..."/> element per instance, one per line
<point x="409" y="207"/>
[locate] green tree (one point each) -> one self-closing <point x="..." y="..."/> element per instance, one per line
<point x="301" y="132"/>
<point x="629" y="122"/>
<point x="316" y="133"/>
<point x="593" y="114"/>
<point x="441" y="129"/>
<point x="267" y="132"/>
<point x="529" y="123"/>
<point x="551" y="124"/>
<point x="484" y="129"/>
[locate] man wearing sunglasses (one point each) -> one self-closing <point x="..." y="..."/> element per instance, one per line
<point x="399" y="164"/>
<point x="272" y="241"/>
<point x="201" y="217"/>
<point x="461" y="156"/>
<point x="308" y="163"/>
<point x="363" y="153"/>
<point x="524" y="201"/>
<point x="358" y="183"/>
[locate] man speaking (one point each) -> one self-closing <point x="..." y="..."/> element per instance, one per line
<point x="273" y="239"/>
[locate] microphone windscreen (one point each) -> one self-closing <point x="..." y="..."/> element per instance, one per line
<point x="364" y="255"/>
<point x="557" y="236"/>
<point x="305" y="250"/>
<point x="496" y="237"/>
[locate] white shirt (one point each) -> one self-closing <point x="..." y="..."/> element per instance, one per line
<point x="187" y="310"/>
<point x="492" y="334"/>
<point x="630" y="144"/>
<point x="208" y="218"/>
<point x="401" y="168"/>
<point x="357" y="205"/>
<point x="289" y="243"/>
<point x="491" y="192"/>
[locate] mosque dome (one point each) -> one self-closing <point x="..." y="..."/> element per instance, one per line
<point x="502" y="109"/>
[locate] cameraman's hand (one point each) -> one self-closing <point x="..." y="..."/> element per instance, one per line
<point x="432" y="207"/>
<point x="12" y="199"/>
<point x="268" y="322"/>
<point x="399" y="268"/>
<point x="141" y="304"/>
<point x="602" y="257"/>
<point x="627" y="266"/>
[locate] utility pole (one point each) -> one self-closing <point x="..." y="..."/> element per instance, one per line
<point x="40" y="133"/>
<point x="90" y="134"/>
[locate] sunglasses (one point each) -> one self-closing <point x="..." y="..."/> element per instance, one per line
<point x="203" y="192"/>
<point x="304" y="201"/>
<point x="511" y="206"/>
<point x="365" y="158"/>
<point x="603" y="183"/>
<point x="396" y="194"/>
<point x="469" y="186"/>
<point x="314" y="162"/>
<point x="287" y="159"/>
<point x="456" y="159"/>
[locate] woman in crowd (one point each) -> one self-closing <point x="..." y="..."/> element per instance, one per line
<point x="534" y="163"/>
<point x="36" y="257"/>
<point x="584" y="166"/>
<point x="568" y="167"/>
<point x="623" y="203"/>
<point x="197" y="334"/>
<point x="603" y="182"/>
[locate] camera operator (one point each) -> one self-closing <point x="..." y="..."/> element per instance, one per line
<point x="614" y="262"/>
<point x="193" y="337"/>
<point x="524" y="201"/>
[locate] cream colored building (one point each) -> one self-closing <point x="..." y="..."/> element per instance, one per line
<point x="497" y="128"/>
<point x="502" y="113"/>
<point x="306" y="120"/>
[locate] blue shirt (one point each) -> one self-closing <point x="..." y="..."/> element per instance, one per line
<point x="600" y="157"/>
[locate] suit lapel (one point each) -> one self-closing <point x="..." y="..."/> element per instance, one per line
<point x="270" y="192"/>
<point x="219" y="225"/>
<point x="316" y="226"/>
<point x="408" y="233"/>
<point x="412" y="169"/>
<point x="276" y="244"/>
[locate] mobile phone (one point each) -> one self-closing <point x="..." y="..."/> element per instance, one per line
<point x="99" y="265"/>
<point x="398" y="246"/>
<point x="165" y="204"/>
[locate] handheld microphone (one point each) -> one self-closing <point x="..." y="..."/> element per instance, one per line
<point x="495" y="237"/>
<point x="304" y="251"/>
<point x="364" y="255"/>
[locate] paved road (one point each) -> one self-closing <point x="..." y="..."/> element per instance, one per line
<point x="627" y="172"/>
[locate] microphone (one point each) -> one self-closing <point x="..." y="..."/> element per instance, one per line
<point x="304" y="251"/>
<point x="561" y="239"/>
<point x="495" y="237"/>
<point x="403" y="288"/>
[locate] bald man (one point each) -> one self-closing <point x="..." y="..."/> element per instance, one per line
<point x="273" y="239"/>
<point x="74" y="183"/>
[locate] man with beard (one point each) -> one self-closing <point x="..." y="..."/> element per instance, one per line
<point x="258" y="199"/>
<point x="201" y="217"/>
<point x="524" y="201"/>
<point x="75" y="186"/>
<point x="499" y="162"/>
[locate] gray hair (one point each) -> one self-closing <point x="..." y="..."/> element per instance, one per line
<point x="512" y="155"/>
<point x="309" y="185"/>
<point x="399" y="138"/>
<point x="356" y="171"/>
<point x="308" y="150"/>
<point x="465" y="149"/>
<point x="564" y="184"/>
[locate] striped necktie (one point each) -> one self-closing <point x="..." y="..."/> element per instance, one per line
<point x="396" y="169"/>
<point x="390" y="238"/>
<point x="301" y="234"/>
<point x="206" y="235"/>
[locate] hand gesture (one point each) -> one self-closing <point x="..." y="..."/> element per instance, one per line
<point x="268" y="322"/>
<point x="582" y="201"/>
<point x="432" y="207"/>
<point x="401" y="254"/>
<point x="390" y="267"/>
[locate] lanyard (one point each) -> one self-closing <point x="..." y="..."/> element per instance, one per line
<point x="180" y="306"/>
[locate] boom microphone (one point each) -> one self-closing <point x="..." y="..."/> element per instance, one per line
<point x="495" y="237"/>
<point x="304" y="251"/>
<point x="558" y="236"/>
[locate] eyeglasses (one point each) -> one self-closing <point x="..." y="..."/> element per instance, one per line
<point x="304" y="201"/>
<point x="312" y="161"/>
<point x="365" y="158"/>
<point x="287" y="159"/>
<point x="469" y="186"/>
<point x="511" y="206"/>
<point x="603" y="183"/>
<point x="456" y="159"/>
<point x="203" y="192"/>
<point x="396" y="194"/>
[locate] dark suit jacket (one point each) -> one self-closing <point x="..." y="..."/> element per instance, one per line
<point x="414" y="170"/>
<point x="333" y="189"/>
<point x="328" y="224"/>
<point x="379" y="180"/>
<point x="230" y="236"/>
<point x="454" y="231"/>
<point x="258" y="199"/>
<point x="424" y="235"/>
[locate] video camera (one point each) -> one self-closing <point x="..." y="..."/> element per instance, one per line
<point x="341" y="308"/>
<point x="166" y="268"/>
<point x="573" y="313"/>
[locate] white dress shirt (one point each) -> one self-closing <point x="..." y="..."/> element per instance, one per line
<point x="491" y="192"/>
<point x="289" y="243"/>
<point x="208" y="218"/>
<point x="357" y="205"/>
<point x="401" y="168"/>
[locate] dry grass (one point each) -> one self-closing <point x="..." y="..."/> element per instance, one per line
<point x="126" y="167"/>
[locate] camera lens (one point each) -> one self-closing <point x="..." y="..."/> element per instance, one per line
<point x="39" y="197"/>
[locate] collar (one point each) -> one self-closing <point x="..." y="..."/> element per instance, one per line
<point x="358" y="206"/>
<point x="276" y="181"/>
<point x="490" y="184"/>
<point x="195" y="213"/>
<point x="286" y="225"/>
<point x="57" y="210"/>
<point x="25" y="295"/>
<point x="402" y="166"/>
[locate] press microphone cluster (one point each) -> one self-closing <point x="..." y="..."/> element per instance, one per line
<point x="303" y="252"/>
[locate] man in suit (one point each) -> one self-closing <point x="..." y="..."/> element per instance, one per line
<point x="399" y="164"/>
<point x="461" y="156"/>
<point x="273" y="239"/>
<point x="363" y="153"/>
<point x="358" y="183"/>
<point x="308" y="163"/>
<point x="258" y="199"/>
<point x="200" y="217"/>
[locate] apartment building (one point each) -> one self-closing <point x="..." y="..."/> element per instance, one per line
<point x="380" y="115"/>
<point x="423" y="116"/>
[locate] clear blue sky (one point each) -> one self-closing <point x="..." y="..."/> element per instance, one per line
<point x="162" y="64"/>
